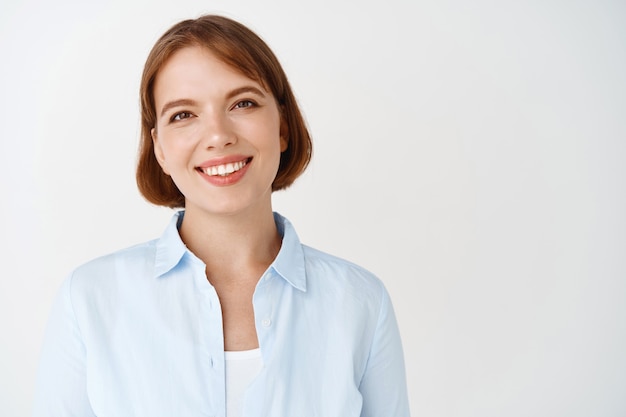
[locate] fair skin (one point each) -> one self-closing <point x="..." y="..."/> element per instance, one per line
<point x="219" y="136"/>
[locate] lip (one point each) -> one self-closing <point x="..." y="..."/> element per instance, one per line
<point x="223" y="160"/>
<point x="230" y="179"/>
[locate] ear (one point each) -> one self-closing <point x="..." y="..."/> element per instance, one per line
<point x="284" y="135"/>
<point x="158" y="150"/>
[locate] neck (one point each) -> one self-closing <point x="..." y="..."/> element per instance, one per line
<point x="232" y="243"/>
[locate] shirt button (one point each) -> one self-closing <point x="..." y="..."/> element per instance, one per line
<point x="266" y="322"/>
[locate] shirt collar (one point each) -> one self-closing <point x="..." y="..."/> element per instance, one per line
<point x="170" y="249"/>
<point x="289" y="263"/>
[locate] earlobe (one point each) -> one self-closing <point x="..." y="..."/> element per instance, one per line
<point x="158" y="151"/>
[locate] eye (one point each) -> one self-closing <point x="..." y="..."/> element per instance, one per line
<point x="244" y="104"/>
<point x="180" y="116"/>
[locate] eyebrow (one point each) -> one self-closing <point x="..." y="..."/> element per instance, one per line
<point x="188" y="102"/>
<point x="245" y="89"/>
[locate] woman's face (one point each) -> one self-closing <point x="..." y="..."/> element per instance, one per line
<point x="218" y="133"/>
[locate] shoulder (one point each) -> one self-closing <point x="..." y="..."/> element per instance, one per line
<point x="323" y="273"/>
<point x="318" y="259"/>
<point x="336" y="275"/>
<point x="134" y="261"/>
<point x="134" y="256"/>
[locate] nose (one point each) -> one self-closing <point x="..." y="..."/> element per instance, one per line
<point x="217" y="131"/>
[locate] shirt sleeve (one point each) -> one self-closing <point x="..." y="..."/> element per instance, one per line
<point x="60" y="389"/>
<point x="383" y="385"/>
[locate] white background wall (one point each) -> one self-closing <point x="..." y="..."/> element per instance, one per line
<point x="470" y="153"/>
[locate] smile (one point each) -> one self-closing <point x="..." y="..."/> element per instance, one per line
<point x="225" y="169"/>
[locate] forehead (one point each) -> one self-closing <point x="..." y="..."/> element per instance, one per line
<point x="196" y="65"/>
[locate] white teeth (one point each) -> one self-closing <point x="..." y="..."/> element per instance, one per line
<point x="223" y="170"/>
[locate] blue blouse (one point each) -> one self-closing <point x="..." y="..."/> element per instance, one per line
<point x="139" y="333"/>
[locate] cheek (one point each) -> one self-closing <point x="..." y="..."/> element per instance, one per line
<point x="169" y="157"/>
<point x="175" y="146"/>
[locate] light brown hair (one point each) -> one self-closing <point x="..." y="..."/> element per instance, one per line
<point x="239" y="47"/>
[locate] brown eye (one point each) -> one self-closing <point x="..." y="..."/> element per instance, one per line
<point x="180" y="116"/>
<point x="244" y="104"/>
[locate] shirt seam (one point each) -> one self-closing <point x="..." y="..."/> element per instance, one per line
<point x="376" y="329"/>
<point x="73" y="311"/>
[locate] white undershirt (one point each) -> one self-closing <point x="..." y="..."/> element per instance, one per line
<point x="241" y="367"/>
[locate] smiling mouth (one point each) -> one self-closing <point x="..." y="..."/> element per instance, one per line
<point x="225" y="169"/>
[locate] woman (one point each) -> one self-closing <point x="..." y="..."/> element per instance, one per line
<point x="227" y="313"/>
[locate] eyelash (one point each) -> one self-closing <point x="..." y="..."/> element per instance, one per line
<point x="186" y="115"/>
<point x="178" y="116"/>
<point x="249" y="103"/>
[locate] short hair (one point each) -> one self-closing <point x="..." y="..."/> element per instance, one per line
<point x="239" y="47"/>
